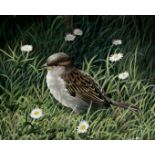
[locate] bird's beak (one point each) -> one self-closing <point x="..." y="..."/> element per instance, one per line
<point x="44" y="65"/>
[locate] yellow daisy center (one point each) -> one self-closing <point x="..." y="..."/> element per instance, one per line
<point x="36" y="113"/>
<point x="82" y="127"/>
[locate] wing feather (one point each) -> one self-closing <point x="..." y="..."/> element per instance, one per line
<point x="84" y="87"/>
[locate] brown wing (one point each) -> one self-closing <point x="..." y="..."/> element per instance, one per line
<point x="83" y="86"/>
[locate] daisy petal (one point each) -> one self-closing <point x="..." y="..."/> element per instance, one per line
<point x="70" y="37"/>
<point x="123" y="75"/>
<point x="83" y="127"/>
<point x="36" y="113"/>
<point x="116" y="57"/>
<point x="117" y="42"/>
<point x="78" y="32"/>
<point x="26" y="48"/>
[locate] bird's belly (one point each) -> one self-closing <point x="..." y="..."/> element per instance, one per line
<point x="59" y="91"/>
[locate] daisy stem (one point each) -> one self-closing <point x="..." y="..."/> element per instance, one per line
<point x="107" y="67"/>
<point x="62" y="45"/>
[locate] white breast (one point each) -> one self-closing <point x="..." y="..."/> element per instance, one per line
<point x="57" y="88"/>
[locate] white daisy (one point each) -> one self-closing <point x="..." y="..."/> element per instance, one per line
<point x="116" y="57"/>
<point x="123" y="75"/>
<point x="26" y="48"/>
<point x="83" y="127"/>
<point x="70" y="37"/>
<point x="78" y="32"/>
<point x="117" y="42"/>
<point x="36" y="113"/>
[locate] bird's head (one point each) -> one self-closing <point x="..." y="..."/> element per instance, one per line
<point x="57" y="63"/>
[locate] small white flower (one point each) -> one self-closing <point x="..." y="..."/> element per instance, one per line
<point x="36" y="113"/>
<point x="83" y="127"/>
<point x="70" y="37"/>
<point x="116" y="57"/>
<point x="123" y="75"/>
<point x="26" y="48"/>
<point x="117" y="42"/>
<point x="78" y="32"/>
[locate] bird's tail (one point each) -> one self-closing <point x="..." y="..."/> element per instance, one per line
<point x="122" y="105"/>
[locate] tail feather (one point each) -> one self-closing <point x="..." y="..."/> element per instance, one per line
<point x="123" y="105"/>
<point x="127" y="106"/>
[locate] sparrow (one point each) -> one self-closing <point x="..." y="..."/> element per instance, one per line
<point x="74" y="88"/>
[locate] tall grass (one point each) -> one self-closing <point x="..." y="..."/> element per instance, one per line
<point x="23" y="85"/>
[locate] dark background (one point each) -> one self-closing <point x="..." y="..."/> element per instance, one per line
<point x="12" y="27"/>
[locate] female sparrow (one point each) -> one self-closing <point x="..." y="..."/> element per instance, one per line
<point x="74" y="88"/>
